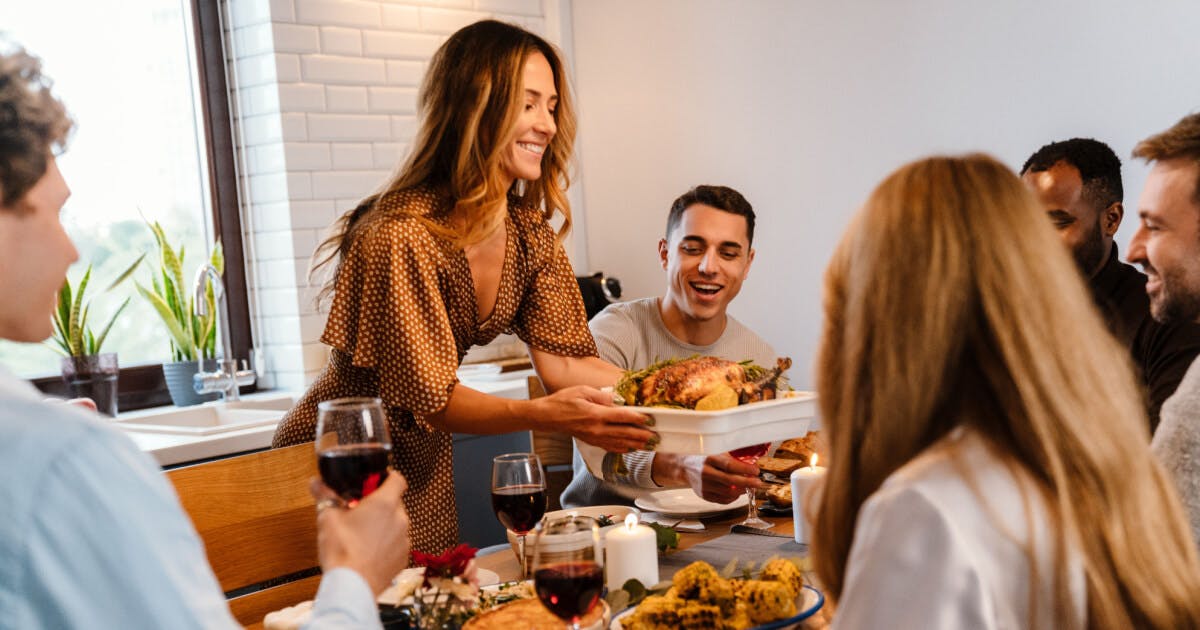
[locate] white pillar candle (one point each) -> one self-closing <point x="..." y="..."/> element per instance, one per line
<point x="802" y="480"/>
<point x="630" y="552"/>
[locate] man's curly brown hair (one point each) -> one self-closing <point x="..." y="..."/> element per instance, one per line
<point x="33" y="124"/>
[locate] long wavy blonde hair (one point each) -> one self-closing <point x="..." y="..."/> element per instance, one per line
<point x="468" y="106"/>
<point x="951" y="302"/>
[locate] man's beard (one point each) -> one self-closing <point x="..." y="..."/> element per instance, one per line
<point x="1176" y="301"/>
<point x="1090" y="253"/>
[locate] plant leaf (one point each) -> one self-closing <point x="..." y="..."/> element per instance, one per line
<point x="112" y="320"/>
<point x="178" y="336"/>
<point x="125" y="274"/>
<point x="217" y="260"/>
<point x="74" y="324"/>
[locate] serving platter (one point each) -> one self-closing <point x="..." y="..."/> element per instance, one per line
<point x="807" y="605"/>
<point x="710" y="432"/>
<point x="684" y="502"/>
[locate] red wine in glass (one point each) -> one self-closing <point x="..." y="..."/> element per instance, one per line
<point x="569" y="589"/>
<point x="519" y="508"/>
<point x="353" y="471"/>
<point x="750" y="455"/>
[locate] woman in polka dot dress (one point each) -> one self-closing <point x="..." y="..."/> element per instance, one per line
<point x="455" y="250"/>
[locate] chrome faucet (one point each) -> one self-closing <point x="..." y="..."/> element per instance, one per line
<point x="227" y="379"/>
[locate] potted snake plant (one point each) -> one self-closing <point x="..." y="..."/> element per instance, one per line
<point x="192" y="337"/>
<point x="86" y="371"/>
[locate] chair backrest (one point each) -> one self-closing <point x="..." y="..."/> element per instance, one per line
<point x="256" y="518"/>
<point x="555" y="451"/>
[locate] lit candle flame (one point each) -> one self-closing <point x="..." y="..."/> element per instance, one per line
<point x="631" y="521"/>
<point x="812" y="463"/>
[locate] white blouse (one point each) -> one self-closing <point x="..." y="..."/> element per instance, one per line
<point x="942" y="543"/>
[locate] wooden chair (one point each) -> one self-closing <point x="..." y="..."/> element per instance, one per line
<point x="256" y="518"/>
<point x="554" y="449"/>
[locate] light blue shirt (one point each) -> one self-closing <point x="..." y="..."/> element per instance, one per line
<point x="93" y="536"/>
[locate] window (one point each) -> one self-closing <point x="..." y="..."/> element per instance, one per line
<point x="144" y="81"/>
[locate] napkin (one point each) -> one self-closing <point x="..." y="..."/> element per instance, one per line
<point x="681" y="524"/>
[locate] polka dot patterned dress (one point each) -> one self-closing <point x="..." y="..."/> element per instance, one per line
<point x="404" y="315"/>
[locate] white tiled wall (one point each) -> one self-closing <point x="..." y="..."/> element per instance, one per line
<point x="326" y="94"/>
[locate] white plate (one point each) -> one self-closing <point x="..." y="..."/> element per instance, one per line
<point x="486" y="577"/>
<point x="807" y="604"/>
<point x="712" y="432"/>
<point x="684" y="502"/>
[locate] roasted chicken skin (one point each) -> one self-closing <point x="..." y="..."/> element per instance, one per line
<point x="682" y="383"/>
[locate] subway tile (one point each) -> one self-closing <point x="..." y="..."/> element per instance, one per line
<point x="312" y="325"/>
<point x="345" y="70"/>
<point x="296" y="38"/>
<point x="301" y="97"/>
<point x="401" y="18"/>
<point x="352" y="156"/>
<point x="316" y="355"/>
<point x="314" y="214"/>
<point x="271" y="217"/>
<point x="274" y="245"/>
<point x="283" y="11"/>
<point x="276" y="274"/>
<point x="405" y="72"/>
<point x="388" y="154"/>
<point x="404" y="128"/>
<point x="267" y="158"/>
<point x="294" y="126"/>
<point x="392" y="100"/>
<point x="307" y="156"/>
<point x="338" y="12"/>
<point x="336" y="40"/>
<point x="447" y="20"/>
<point x="299" y="186"/>
<point x="268" y="187"/>
<point x="249" y="12"/>
<point x="253" y="40"/>
<point x="346" y="183"/>
<point x="276" y="302"/>
<point x="255" y="70"/>
<point x="287" y="67"/>
<point x="346" y="99"/>
<point x="348" y="127"/>
<point x="260" y="99"/>
<point x="518" y="7"/>
<point x="400" y="45"/>
<point x="258" y="130"/>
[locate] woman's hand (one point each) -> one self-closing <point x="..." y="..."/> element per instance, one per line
<point x="589" y="414"/>
<point x="717" y="478"/>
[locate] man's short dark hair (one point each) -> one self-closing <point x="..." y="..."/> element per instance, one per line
<point x="1180" y="142"/>
<point x="1098" y="166"/>
<point x="719" y="197"/>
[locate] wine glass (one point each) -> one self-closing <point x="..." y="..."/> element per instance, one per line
<point x="518" y="496"/>
<point x="750" y="455"/>
<point x="568" y="570"/>
<point x="352" y="446"/>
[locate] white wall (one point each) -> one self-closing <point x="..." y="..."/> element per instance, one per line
<point x="804" y="106"/>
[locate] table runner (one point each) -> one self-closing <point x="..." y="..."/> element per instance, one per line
<point x="719" y="551"/>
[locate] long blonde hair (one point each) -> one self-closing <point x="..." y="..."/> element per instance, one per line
<point x="951" y="302"/>
<point x="468" y="107"/>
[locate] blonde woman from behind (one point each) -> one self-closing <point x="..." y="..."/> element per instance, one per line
<point x="990" y="466"/>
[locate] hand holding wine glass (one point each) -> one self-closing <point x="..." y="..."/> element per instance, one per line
<point x="750" y="455"/>
<point x="352" y="446"/>
<point x="568" y="572"/>
<point x="518" y="496"/>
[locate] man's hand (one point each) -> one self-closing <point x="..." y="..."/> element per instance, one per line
<point x="371" y="538"/>
<point x="589" y="414"/>
<point x="716" y="478"/>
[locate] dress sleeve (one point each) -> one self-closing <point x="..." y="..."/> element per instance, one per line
<point x="907" y="569"/>
<point x="388" y="314"/>
<point x="551" y="316"/>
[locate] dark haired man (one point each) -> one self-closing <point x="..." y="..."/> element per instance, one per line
<point x="1079" y="183"/>
<point x="706" y="252"/>
<point x="1167" y="246"/>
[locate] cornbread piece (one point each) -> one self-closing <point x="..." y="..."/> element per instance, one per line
<point x="780" y="496"/>
<point x="658" y="612"/>
<point x="766" y="601"/>
<point x="798" y="448"/>
<point x="779" y="467"/>
<point x="699" y="581"/>
<point x="786" y="573"/>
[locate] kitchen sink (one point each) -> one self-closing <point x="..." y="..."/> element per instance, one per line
<point x="201" y="420"/>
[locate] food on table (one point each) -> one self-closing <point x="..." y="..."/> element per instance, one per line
<point x="801" y="448"/>
<point x="700" y="598"/>
<point x="526" y="613"/>
<point x="780" y="495"/>
<point x="778" y="466"/>
<point x="705" y="383"/>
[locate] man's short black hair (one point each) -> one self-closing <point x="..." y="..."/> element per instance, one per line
<point x="1098" y="166"/>
<point x="719" y="197"/>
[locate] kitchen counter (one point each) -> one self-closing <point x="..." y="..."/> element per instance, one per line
<point x="171" y="449"/>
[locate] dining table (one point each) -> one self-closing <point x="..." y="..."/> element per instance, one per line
<point x="718" y="543"/>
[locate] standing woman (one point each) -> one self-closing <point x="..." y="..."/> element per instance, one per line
<point x="990" y="462"/>
<point x="455" y="250"/>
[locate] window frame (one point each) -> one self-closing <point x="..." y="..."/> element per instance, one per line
<point x="143" y="386"/>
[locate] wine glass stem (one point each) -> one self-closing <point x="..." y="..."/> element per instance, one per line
<point x="750" y="516"/>
<point x="521" y="554"/>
